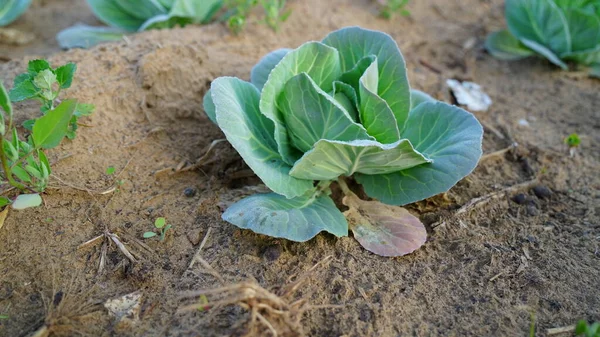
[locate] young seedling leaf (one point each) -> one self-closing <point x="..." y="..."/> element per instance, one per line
<point x="45" y="79"/>
<point x="4" y="201"/>
<point x="64" y="75"/>
<point x="51" y="128"/>
<point x="5" y="101"/>
<point x="383" y="229"/>
<point x="110" y="170"/>
<point x="83" y="36"/>
<point x="20" y="173"/>
<point x="298" y="219"/>
<point x="148" y="235"/>
<point x="84" y="109"/>
<point x="160" y="222"/>
<point x="24" y="201"/>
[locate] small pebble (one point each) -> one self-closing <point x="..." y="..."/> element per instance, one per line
<point x="542" y="192"/>
<point x="520" y="199"/>
<point x="190" y="192"/>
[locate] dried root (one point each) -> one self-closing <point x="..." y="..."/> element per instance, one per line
<point x="272" y="313"/>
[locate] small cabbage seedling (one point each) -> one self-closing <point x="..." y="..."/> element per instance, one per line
<point x="573" y="141"/>
<point x="239" y="10"/>
<point x="10" y="10"/>
<point x="391" y="7"/>
<point x="160" y="224"/>
<point x="43" y="83"/>
<point x="128" y="16"/>
<point x="25" y="166"/>
<point x="585" y="329"/>
<point x="558" y="30"/>
<point x="335" y="109"/>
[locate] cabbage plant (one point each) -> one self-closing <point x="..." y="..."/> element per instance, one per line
<point x="127" y="16"/>
<point x="560" y="30"/>
<point x="335" y="109"/>
<point x="10" y="10"/>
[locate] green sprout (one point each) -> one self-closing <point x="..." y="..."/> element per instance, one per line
<point x="110" y="170"/>
<point x="573" y="140"/>
<point x="392" y="7"/>
<point x="238" y="12"/>
<point x="583" y="328"/>
<point x="160" y="224"/>
<point x="24" y="164"/>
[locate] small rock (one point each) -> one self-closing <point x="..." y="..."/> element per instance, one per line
<point x="542" y="192"/>
<point x="189" y="192"/>
<point x="520" y="199"/>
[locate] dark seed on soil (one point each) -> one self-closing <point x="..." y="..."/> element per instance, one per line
<point x="272" y="253"/>
<point x="542" y="192"/>
<point x="532" y="210"/>
<point x="189" y="192"/>
<point x="520" y="199"/>
<point x="58" y="298"/>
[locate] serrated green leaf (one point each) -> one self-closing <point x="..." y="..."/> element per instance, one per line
<point x="331" y="159"/>
<point x="260" y="72"/>
<point x="375" y="114"/>
<point x="321" y="63"/>
<point x="417" y="97"/>
<point x="251" y="134"/>
<point x="51" y="128"/>
<point x="36" y="66"/>
<point x="540" y="21"/>
<point x="45" y="79"/>
<point x="83" y="36"/>
<point x="311" y="115"/>
<point x="296" y="219"/>
<point x="22" y="91"/>
<point x="10" y="10"/>
<point x="355" y="43"/>
<point x="20" y="173"/>
<point x="22" y="78"/>
<point x="545" y="52"/>
<point x="84" y="109"/>
<point x="24" y="201"/>
<point x="446" y="134"/>
<point x="64" y="74"/>
<point x="505" y="46"/>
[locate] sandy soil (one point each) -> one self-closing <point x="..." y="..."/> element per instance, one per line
<point x="484" y="273"/>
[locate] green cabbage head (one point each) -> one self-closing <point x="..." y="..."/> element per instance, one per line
<point x="338" y="108"/>
<point x="559" y="30"/>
